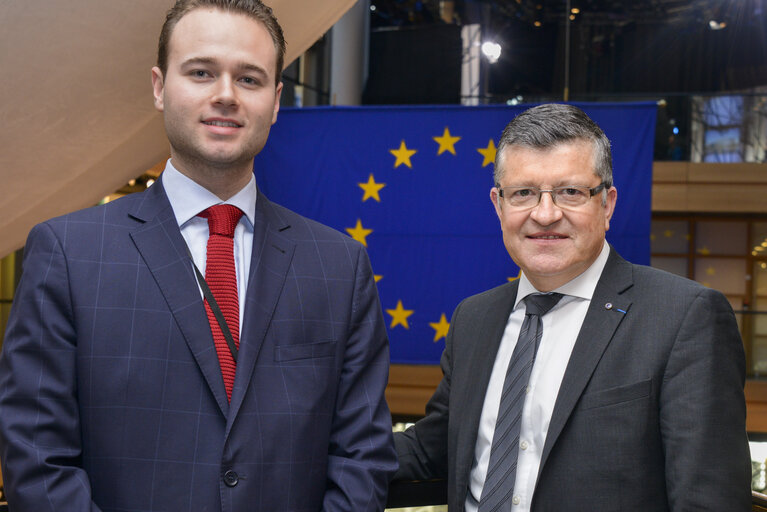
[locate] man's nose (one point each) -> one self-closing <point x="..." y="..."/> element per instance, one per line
<point x="546" y="212"/>
<point x="225" y="93"/>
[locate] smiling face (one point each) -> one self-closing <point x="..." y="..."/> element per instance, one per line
<point x="218" y="95"/>
<point x="550" y="244"/>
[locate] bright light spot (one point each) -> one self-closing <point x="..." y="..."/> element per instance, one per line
<point x="537" y="23"/>
<point x="575" y="10"/>
<point x="373" y="8"/>
<point x="572" y="17"/>
<point x="149" y="183"/>
<point x="492" y="51"/>
<point x="716" y="25"/>
<point x="676" y="130"/>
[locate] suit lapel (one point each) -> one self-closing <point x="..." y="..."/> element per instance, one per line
<point x="490" y="331"/>
<point x="270" y="262"/>
<point x="159" y="241"/>
<point x="606" y="311"/>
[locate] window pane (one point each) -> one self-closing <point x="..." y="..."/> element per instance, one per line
<point x="726" y="275"/>
<point x="759" y="339"/>
<point x="669" y="237"/>
<point x="676" y="266"/>
<point x="760" y="280"/>
<point x="719" y="237"/>
<point x="759" y="239"/>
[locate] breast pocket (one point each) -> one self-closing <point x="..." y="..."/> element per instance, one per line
<point x="284" y="353"/>
<point x="617" y="395"/>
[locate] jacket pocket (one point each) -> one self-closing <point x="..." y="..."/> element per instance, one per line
<point x="304" y="351"/>
<point x="616" y="395"/>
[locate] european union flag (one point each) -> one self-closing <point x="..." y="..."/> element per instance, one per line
<point x="412" y="184"/>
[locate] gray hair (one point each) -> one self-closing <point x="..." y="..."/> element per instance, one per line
<point x="548" y="125"/>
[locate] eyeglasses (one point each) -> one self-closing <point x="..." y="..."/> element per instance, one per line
<point x="569" y="196"/>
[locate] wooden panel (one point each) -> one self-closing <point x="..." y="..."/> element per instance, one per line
<point x="667" y="197"/>
<point x="711" y="188"/>
<point x="756" y="406"/>
<point x="410" y="387"/>
<point x="728" y="173"/>
<point x="670" y="171"/>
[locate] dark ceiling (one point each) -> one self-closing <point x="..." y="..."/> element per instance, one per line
<point x="612" y="12"/>
<point x="617" y="46"/>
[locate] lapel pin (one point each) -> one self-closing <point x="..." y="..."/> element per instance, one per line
<point x="609" y="305"/>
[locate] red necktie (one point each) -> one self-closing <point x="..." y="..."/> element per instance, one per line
<point x="221" y="277"/>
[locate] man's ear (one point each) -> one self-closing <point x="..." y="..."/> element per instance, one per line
<point x="610" y="200"/>
<point x="158" y="86"/>
<point x="496" y="200"/>
<point x="277" y="95"/>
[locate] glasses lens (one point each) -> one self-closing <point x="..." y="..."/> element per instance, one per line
<point x="571" y="196"/>
<point x="521" y="197"/>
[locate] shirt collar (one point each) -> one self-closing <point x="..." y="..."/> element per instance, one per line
<point x="582" y="286"/>
<point x="188" y="198"/>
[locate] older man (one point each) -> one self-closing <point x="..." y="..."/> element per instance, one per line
<point x="589" y="384"/>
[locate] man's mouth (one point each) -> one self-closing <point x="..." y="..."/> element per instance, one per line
<point x="227" y="124"/>
<point x="547" y="237"/>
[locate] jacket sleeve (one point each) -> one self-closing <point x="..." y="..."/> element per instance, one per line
<point x="361" y="456"/>
<point x="422" y="449"/>
<point x="40" y="434"/>
<point x="703" y="411"/>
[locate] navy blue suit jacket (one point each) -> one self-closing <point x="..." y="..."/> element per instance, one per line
<point x="111" y="395"/>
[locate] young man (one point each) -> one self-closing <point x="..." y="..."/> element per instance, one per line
<point x="589" y="384"/>
<point x="129" y="381"/>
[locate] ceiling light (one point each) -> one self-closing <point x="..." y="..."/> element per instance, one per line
<point x="717" y="25"/>
<point x="492" y="51"/>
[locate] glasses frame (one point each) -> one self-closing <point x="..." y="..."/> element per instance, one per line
<point x="592" y="192"/>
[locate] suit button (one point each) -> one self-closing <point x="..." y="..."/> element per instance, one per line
<point x="231" y="478"/>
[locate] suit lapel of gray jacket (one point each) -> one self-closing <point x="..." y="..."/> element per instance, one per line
<point x="606" y="311"/>
<point x="489" y="330"/>
<point x="163" y="249"/>
<point x="269" y="265"/>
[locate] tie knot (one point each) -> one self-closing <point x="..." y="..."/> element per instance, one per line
<point x="222" y="219"/>
<point x="540" y="303"/>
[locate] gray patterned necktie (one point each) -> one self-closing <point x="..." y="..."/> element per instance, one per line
<point x="502" y="468"/>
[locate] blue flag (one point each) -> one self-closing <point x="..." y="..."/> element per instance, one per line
<point x="413" y="183"/>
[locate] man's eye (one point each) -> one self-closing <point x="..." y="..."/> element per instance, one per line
<point x="523" y="192"/>
<point x="200" y="73"/>
<point x="571" y="192"/>
<point x="249" y="80"/>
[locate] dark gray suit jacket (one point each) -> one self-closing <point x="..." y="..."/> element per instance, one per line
<point x="650" y="415"/>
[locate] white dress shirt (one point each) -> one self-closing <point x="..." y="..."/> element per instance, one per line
<point x="187" y="198"/>
<point x="561" y="326"/>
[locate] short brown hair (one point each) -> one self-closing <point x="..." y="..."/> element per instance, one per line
<point x="252" y="8"/>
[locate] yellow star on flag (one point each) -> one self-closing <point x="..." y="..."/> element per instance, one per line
<point x="446" y="142"/>
<point x="371" y="189"/>
<point x="710" y="271"/>
<point x="399" y="316"/>
<point x="377" y="277"/>
<point x="488" y="153"/>
<point x="440" y="328"/>
<point x="403" y="155"/>
<point x="359" y="233"/>
<point x="512" y="279"/>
